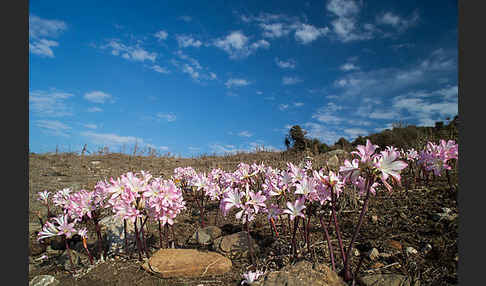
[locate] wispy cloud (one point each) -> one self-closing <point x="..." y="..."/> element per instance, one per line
<point x="245" y="133"/>
<point x="39" y="32"/>
<point x="111" y="139"/>
<point x="90" y="126"/>
<point x="289" y="64"/>
<point x="133" y="53"/>
<point x="50" y="103"/>
<point x="186" y="18"/>
<point x="379" y="82"/>
<point x="283" y="106"/>
<point x="95" y="109"/>
<point x="97" y="96"/>
<point x="290" y="80"/>
<point x="237" y="45"/>
<point x="236" y="82"/>
<point x="399" y="23"/>
<point x="306" y="33"/>
<point x="53" y="127"/>
<point x="170" y="117"/>
<point x="160" y="69"/>
<point x="298" y="104"/>
<point x="349" y="67"/>
<point x="192" y="67"/>
<point x="161" y="35"/>
<point x="185" y="41"/>
<point x="345" y="25"/>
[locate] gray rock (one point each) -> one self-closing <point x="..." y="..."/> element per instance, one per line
<point x="44" y="280"/>
<point x="337" y="152"/>
<point x="303" y="273"/>
<point x="115" y="237"/>
<point x="386" y="280"/>
<point x="206" y="236"/>
<point x="373" y="254"/>
<point x="235" y="245"/>
<point x="333" y="162"/>
<point x="411" y="251"/>
<point x="63" y="259"/>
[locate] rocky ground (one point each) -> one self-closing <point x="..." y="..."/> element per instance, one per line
<point x="409" y="236"/>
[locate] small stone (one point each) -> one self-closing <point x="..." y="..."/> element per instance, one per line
<point x="356" y="252"/>
<point x="395" y="245"/>
<point x="411" y="251"/>
<point x="385" y="255"/>
<point x="373" y="254"/>
<point x="95" y="162"/>
<point x="427" y="248"/>
<point x="44" y="280"/>
<point x="374" y="218"/>
<point x="64" y="260"/>
<point x="235" y="245"/>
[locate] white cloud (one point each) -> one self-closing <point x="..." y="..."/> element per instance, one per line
<point x="41" y="29"/>
<point x="53" y="127"/>
<point x="237" y="82"/>
<point x="385" y="81"/>
<point x="283" y="106"/>
<point x="51" y="104"/>
<point x="289" y="80"/>
<point x="42" y="47"/>
<point x="185" y="41"/>
<point x="190" y="70"/>
<point x="167" y="116"/>
<point x="346" y="26"/>
<point x="343" y="8"/>
<point x="349" y="67"/>
<point x="134" y="53"/>
<point x="110" y="139"/>
<point x="315" y="130"/>
<point x="90" y="126"/>
<point x="298" y="104"/>
<point x="383" y="115"/>
<point x="161" y="35"/>
<point x="160" y="69"/>
<point x="245" y="134"/>
<point x="259" y="92"/>
<point x="97" y="96"/>
<point x="274" y="30"/>
<point x="236" y="45"/>
<point x="355" y="132"/>
<point x="94" y="109"/>
<point x="224" y="149"/>
<point x="398" y="22"/>
<point x="186" y="18"/>
<point x="290" y="64"/>
<point x="307" y="33"/>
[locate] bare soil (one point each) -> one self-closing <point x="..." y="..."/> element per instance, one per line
<point x="404" y="216"/>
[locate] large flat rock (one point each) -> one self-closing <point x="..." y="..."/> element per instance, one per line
<point x="303" y="273"/>
<point x="187" y="263"/>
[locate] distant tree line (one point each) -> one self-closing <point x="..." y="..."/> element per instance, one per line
<point x="401" y="136"/>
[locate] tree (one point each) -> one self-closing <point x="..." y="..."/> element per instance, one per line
<point x="287" y="142"/>
<point x="297" y="138"/>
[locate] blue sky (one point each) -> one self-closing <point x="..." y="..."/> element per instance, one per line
<point x="189" y="77"/>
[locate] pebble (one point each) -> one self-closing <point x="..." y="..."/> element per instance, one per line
<point x="374" y="218"/>
<point x="373" y="254"/>
<point x="410" y="250"/>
